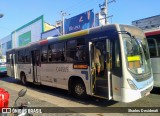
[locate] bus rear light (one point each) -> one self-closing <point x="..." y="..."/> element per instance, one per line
<point x="131" y="84"/>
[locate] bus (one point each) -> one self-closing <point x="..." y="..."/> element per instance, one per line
<point x="124" y="62"/>
<point x="3" y="69"/>
<point x="153" y="38"/>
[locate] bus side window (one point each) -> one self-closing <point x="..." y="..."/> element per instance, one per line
<point x="27" y="56"/>
<point x="58" y="52"/>
<point x="81" y="53"/>
<point x="50" y="53"/>
<point x="21" y="56"/>
<point x="8" y="58"/>
<point x="44" y="54"/>
<point x="76" y="50"/>
<point x="152" y="43"/>
<point x="71" y="50"/>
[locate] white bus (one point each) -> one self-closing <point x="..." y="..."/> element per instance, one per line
<point x="125" y="70"/>
<point x="153" y="38"/>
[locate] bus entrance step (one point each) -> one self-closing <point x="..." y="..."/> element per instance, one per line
<point x="101" y="82"/>
<point x="102" y="91"/>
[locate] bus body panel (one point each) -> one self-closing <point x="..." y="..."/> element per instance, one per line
<point x="133" y="95"/>
<point x="57" y="75"/>
<point x="29" y="72"/>
<point x="155" y="62"/>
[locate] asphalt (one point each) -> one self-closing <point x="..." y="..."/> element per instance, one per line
<point x="44" y="96"/>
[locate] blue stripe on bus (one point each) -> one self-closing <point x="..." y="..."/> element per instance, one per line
<point x="85" y="73"/>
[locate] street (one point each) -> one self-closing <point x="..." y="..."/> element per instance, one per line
<point x="44" y="96"/>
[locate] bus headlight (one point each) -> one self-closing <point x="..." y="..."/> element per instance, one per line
<point x="131" y="84"/>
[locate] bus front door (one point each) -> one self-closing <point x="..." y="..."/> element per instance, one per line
<point x="100" y="65"/>
<point x="36" y="66"/>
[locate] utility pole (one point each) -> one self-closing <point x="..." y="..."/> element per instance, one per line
<point x="62" y="24"/>
<point x="104" y="9"/>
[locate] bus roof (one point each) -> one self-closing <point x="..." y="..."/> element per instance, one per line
<point x="152" y="32"/>
<point x="71" y="35"/>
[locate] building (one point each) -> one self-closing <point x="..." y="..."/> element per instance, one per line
<point x="28" y="33"/>
<point x="5" y="43"/>
<point x="148" y="23"/>
<point x="24" y="35"/>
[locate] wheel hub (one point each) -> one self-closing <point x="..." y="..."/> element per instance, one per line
<point x="79" y="90"/>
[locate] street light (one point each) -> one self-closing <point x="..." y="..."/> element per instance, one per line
<point x="1" y="15"/>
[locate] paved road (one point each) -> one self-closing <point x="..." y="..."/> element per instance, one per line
<point x="43" y="96"/>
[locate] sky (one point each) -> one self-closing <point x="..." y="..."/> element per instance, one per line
<point x="19" y="12"/>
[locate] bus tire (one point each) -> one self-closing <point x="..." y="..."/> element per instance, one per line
<point x="79" y="90"/>
<point x="23" y="79"/>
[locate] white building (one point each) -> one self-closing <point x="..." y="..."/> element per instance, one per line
<point x="148" y="23"/>
<point x="27" y="33"/>
<point x="5" y="43"/>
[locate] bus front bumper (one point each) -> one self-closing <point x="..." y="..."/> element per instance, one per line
<point x="129" y="95"/>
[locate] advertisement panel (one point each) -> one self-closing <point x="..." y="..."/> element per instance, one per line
<point x="25" y="38"/>
<point x="80" y="22"/>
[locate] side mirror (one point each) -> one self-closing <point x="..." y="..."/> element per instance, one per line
<point x="22" y="92"/>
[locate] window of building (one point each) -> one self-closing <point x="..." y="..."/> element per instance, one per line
<point x="3" y="46"/>
<point x="9" y="44"/>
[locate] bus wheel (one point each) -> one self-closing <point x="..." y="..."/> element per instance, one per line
<point x="79" y="90"/>
<point x="23" y="79"/>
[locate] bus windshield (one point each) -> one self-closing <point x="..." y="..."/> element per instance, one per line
<point x="137" y="55"/>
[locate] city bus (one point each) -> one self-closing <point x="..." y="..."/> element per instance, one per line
<point x="3" y="69"/>
<point x="153" y="38"/>
<point x="68" y="62"/>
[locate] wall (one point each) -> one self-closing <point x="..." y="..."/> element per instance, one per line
<point x="29" y="32"/>
<point x="5" y="44"/>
